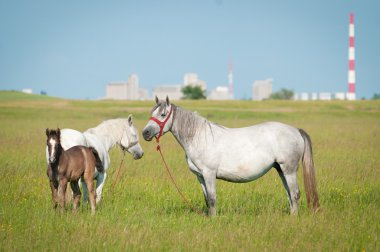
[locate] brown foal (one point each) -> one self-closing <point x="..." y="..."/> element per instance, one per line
<point x="69" y="166"/>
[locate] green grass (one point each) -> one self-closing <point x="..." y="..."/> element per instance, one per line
<point x="146" y="213"/>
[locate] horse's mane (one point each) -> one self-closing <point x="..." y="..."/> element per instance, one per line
<point x="114" y="127"/>
<point x="188" y="123"/>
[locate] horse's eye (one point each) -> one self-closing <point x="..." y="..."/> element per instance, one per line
<point x="163" y="115"/>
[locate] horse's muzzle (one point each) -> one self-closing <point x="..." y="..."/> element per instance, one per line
<point x="147" y="134"/>
<point x="138" y="156"/>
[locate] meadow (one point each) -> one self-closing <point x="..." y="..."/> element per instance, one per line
<point x="145" y="212"/>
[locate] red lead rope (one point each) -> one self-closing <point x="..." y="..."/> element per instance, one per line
<point x="118" y="172"/>
<point x="161" y="124"/>
<point x="175" y="184"/>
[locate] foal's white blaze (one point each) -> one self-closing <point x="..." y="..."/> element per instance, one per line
<point x="52" y="143"/>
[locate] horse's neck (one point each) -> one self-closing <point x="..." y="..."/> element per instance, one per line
<point x="107" y="140"/>
<point x="190" y="129"/>
<point x="106" y="135"/>
<point x="59" y="154"/>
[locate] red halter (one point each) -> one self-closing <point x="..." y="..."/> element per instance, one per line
<point x="161" y="124"/>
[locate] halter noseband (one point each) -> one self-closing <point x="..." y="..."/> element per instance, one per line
<point x="161" y="124"/>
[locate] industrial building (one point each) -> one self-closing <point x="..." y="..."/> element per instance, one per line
<point x="126" y="90"/>
<point x="174" y="91"/>
<point x="261" y="89"/>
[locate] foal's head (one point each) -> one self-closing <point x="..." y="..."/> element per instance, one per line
<point x="53" y="143"/>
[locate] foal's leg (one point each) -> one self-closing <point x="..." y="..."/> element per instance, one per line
<point x="84" y="190"/>
<point x="88" y="177"/>
<point x="53" y="185"/>
<point x="100" y="179"/>
<point x="61" y="192"/>
<point x="91" y="192"/>
<point x="76" y="193"/>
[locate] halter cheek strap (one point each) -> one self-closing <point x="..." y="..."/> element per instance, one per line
<point x="161" y="124"/>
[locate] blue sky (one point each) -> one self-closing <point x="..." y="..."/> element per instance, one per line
<point x="72" y="49"/>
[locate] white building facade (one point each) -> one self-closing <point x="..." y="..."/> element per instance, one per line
<point x="220" y="93"/>
<point x="175" y="91"/>
<point x="126" y="90"/>
<point x="172" y="91"/>
<point x="261" y="89"/>
<point x="192" y="80"/>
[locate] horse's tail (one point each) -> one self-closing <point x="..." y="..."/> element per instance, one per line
<point x="98" y="163"/>
<point x="309" y="179"/>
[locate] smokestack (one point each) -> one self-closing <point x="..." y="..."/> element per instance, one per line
<point x="230" y="80"/>
<point x="351" y="95"/>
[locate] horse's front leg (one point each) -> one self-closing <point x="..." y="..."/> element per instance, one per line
<point x="53" y="185"/>
<point x="203" y="185"/>
<point x="61" y="192"/>
<point x="209" y="177"/>
<point x="100" y="179"/>
<point x="200" y="178"/>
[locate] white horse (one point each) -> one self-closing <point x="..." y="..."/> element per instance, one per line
<point x="237" y="154"/>
<point x="103" y="137"/>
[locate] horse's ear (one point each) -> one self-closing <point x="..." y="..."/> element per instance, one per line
<point x="59" y="133"/>
<point x="167" y="100"/>
<point x="157" y="100"/>
<point x="130" y="120"/>
<point x="47" y="132"/>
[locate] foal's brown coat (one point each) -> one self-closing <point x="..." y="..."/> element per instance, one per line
<point x="69" y="166"/>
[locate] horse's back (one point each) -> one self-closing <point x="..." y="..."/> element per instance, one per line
<point x="70" y="138"/>
<point x="244" y="154"/>
<point x="284" y="140"/>
<point x="93" y="141"/>
<point x="77" y="159"/>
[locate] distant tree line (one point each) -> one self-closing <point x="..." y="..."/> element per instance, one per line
<point x="376" y="96"/>
<point x="193" y="92"/>
<point x="196" y="93"/>
<point x="283" y="94"/>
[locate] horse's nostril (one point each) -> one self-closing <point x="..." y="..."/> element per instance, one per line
<point x="146" y="133"/>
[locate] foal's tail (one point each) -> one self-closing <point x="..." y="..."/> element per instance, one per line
<point x="309" y="174"/>
<point x="98" y="163"/>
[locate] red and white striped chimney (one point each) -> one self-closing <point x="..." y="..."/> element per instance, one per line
<point x="351" y="60"/>
<point x="230" y="81"/>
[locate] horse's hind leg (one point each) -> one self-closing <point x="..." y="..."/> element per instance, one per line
<point x="289" y="181"/>
<point x="294" y="192"/>
<point x="84" y="190"/>
<point x="76" y="193"/>
<point x="100" y="179"/>
<point x="91" y="192"/>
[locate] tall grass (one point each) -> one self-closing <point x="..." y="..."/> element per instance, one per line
<point x="145" y="212"/>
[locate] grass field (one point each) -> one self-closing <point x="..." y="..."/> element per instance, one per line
<point x="146" y="213"/>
